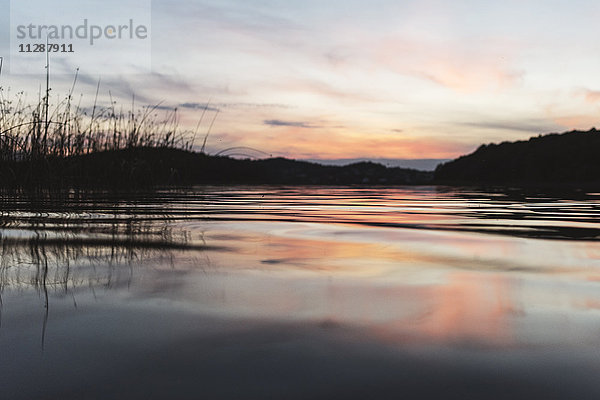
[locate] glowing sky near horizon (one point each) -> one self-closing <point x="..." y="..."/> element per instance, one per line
<point x="379" y="78"/>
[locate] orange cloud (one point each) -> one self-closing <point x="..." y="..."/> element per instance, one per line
<point x="298" y="142"/>
<point x="591" y="96"/>
<point x="451" y="65"/>
<point x="577" y="121"/>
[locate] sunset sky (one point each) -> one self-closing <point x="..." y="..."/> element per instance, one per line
<point x="377" y="79"/>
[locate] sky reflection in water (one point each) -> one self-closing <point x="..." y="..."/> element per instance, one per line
<point x="475" y="282"/>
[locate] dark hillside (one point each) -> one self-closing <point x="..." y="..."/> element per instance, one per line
<point x="568" y="158"/>
<point x="169" y="166"/>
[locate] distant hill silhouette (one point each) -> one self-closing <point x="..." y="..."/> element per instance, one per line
<point x="568" y="158"/>
<point x="571" y="158"/>
<point x="148" y="166"/>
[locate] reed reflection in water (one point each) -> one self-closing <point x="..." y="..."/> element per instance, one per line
<point x="300" y="293"/>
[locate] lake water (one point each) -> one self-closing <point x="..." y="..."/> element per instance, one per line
<point x="300" y="292"/>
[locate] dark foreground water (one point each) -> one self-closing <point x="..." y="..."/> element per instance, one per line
<point x="300" y="293"/>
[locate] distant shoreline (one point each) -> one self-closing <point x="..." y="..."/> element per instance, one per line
<point x="152" y="166"/>
<point x="569" y="161"/>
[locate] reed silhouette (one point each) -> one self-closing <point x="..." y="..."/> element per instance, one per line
<point x="43" y="142"/>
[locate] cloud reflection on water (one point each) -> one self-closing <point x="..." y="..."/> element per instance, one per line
<point x="268" y="278"/>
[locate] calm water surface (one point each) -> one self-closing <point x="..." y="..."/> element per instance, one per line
<point x="284" y="293"/>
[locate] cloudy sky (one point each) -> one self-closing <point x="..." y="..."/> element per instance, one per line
<point x="347" y="79"/>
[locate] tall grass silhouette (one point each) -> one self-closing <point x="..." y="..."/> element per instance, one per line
<point x="42" y="130"/>
<point x="62" y="127"/>
<point x="42" y="142"/>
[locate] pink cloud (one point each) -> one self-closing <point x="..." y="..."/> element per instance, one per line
<point x="453" y="65"/>
<point x="591" y="96"/>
